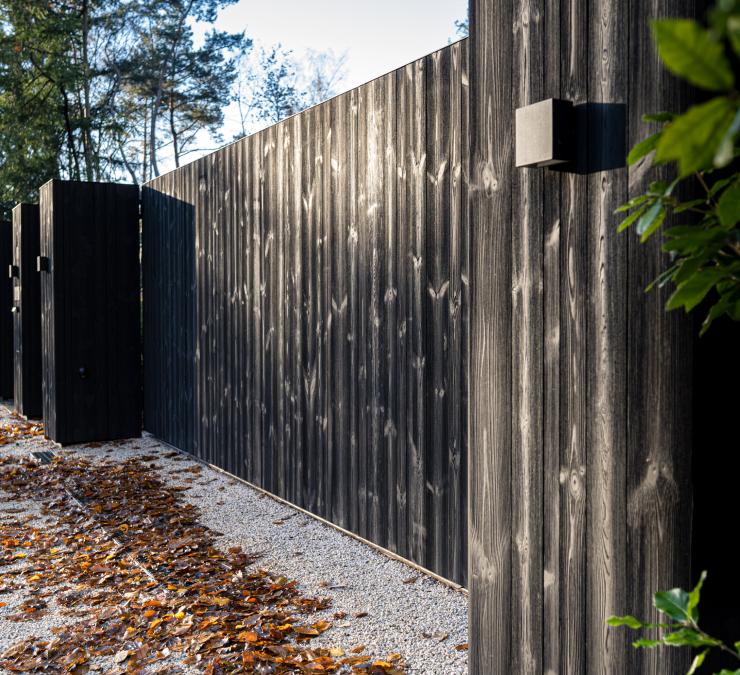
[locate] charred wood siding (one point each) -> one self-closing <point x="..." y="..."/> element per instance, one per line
<point x="91" y="325"/>
<point x="306" y="310"/>
<point x="580" y="493"/>
<point x="27" y="311"/>
<point x="6" y="320"/>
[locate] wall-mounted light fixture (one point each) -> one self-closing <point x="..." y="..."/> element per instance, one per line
<point x="545" y="133"/>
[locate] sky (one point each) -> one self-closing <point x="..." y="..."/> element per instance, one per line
<point x="377" y="35"/>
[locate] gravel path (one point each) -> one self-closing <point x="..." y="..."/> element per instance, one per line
<point x="400" y="609"/>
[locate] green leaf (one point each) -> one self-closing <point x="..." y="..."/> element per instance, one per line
<point x="651" y="220"/>
<point x="688" y="637"/>
<point x="657" y="187"/>
<point x="631" y="218"/>
<point x="688" y="294"/>
<point x="688" y="267"/>
<point x="692" y="139"/>
<point x="685" y="206"/>
<point x="662" y="279"/>
<point x="693" y="53"/>
<point x="635" y="201"/>
<point x="659" y="117"/>
<point x="694" y="597"/>
<point x="737" y="647"/>
<point x="686" y="239"/>
<point x="643" y="148"/>
<point x="724" y="671"/>
<point x="696" y="663"/>
<point x="728" y="207"/>
<point x="726" y="149"/>
<point x="675" y="602"/>
<point x="717" y="186"/>
<point x="733" y="32"/>
<point x="643" y="643"/>
<point x="629" y="621"/>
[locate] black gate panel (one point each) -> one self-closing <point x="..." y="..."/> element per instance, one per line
<point x="91" y="325"/>
<point x="6" y="322"/>
<point x="26" y="311"/>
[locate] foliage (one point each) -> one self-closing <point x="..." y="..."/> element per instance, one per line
<point x="275" y="83"/>
<point x="682" y="609"/>
<point x="90" y="89"/>
<point x="462" y="27"/>
<point x="277" y="96"/>
<point x="183" y="88"/>
<point x="55" y="92"/>
<point x="321" y="75"/>
<point x="701" y="146"/>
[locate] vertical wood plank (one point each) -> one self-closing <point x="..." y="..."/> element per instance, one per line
<point x="391" y="382"/>
<point x="659" y="362"/>
<point x="526" y="364"/>
<point x="606" y="355"/>
<point x="489" y="474"/>
<point x="435" y="300"/>
<point x="375" y="213"/>
<point x="552" y="422"/>
<point x="339" y="166"/>
<point x="6" y="318"/>
<point x="328" y="229"/>
<point x="416" y="179"/>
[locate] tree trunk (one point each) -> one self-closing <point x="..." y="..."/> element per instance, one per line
<point x="86" y="118"/>
<point x="173" y="132"/>
<point x="70" y="136"/>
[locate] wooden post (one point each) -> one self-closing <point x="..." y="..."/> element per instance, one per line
<point x="580" y="496"/>
<point x="6" y="321"/>
<point x="26" y="312"/>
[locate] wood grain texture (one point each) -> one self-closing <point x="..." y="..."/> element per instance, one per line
<point x="491" y="218"/>
<point x="91" y="324"/>
<point x="27" y="312"/>
<point x="659" y="363"/>
<point x="6" y="318"/>
<point x="552" y="275"/>
<point x="527" y="346"/>
<point x="580" y="501"/>
<point x="324" y="260"/>
<point x="606" y="358"/>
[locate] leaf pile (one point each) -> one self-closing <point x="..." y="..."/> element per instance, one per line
<point x="146" y="582"/>
<point x="19" y="429"/>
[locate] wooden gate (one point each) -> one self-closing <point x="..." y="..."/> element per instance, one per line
<point x="26" y="311"/>
<point x="90" y="321"/>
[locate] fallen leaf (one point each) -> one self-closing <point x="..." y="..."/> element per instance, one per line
<point x="121" y="656"/>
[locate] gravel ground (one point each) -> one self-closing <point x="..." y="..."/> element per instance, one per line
<point x="423" y="619"/>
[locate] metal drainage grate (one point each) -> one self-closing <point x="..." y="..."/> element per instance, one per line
<point x="43" y="456"/>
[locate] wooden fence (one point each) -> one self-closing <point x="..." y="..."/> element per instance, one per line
<point x="580" y="383"/>
<point x="90" y="311"/>
<point x="6" y="318"/>
<point x="26" y="283"/>
<point x="306" y="310"/>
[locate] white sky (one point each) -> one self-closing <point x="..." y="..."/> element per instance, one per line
<point x="378" y="35"/>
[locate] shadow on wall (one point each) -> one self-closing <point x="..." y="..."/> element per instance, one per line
<point x="169" y="317"/>
<point x="600" y="138"/>
<point x="716" y="468"/>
